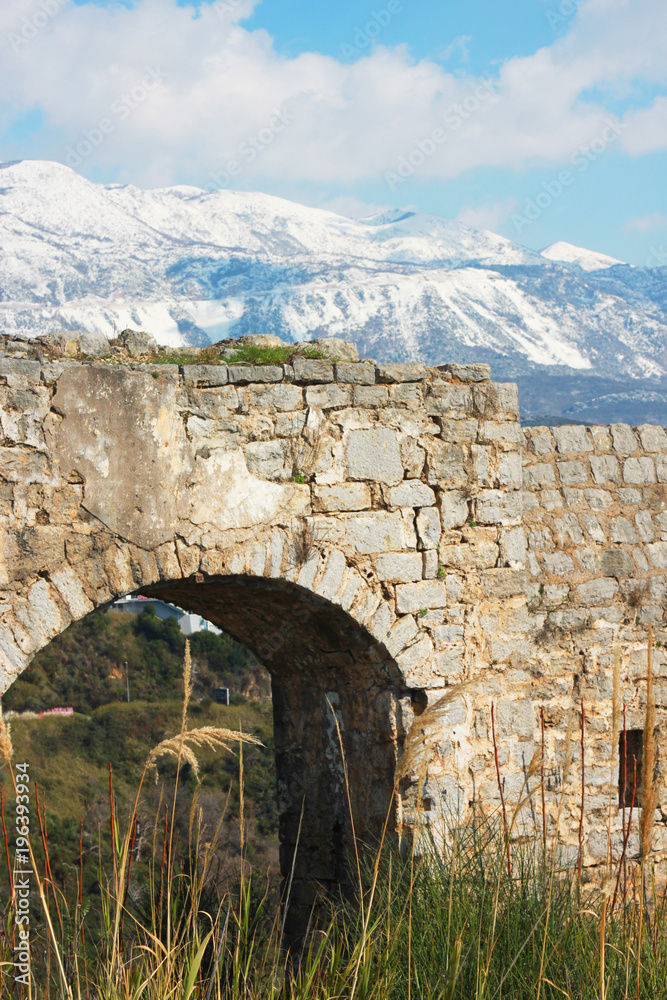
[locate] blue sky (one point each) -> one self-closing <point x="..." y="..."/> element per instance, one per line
<point x="542" y="120"/>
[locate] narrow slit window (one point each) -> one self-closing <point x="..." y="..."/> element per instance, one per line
<point x="630" y="749"/>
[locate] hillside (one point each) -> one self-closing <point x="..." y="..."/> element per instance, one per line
<point x="70" y="758"/>
<point x="193" y="267"/>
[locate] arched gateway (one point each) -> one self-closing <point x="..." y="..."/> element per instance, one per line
<point x="360" y="527"/>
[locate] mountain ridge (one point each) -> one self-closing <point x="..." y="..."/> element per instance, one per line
<point x="194" y="266"/>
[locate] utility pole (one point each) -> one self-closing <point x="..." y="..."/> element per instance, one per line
<point x="127" y="680"/>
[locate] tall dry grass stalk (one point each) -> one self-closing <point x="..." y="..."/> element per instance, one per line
<point x="649" y="791"/>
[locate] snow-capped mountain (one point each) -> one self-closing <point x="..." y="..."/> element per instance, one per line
<point x="191" y="266"/>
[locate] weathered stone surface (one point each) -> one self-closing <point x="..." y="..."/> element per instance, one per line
<point x="616" y="562"/>
<point x="445" y="464"/>
<point x="468" y="372"/>
<point x="498" y="507"/>
<point x="571" y="439"/>
<point x="374" y="455"/>
<point x="541" y="474"/>
<point x="624" y="439"/>
<point x="503" y="583"/>
<point x="572" y="473"/>
<point x="205" y="375"/>
<point x="653" y="438"/>
<point x="639" y="470"/>
<point x="453" y="508"/>
<point x="138" y="342"/>
<point x="428" y="528"/>
<point x="597" y="591"/>
<point x="359" y="374"/>
<point x="244" y="374"/>
<point x="399" y="567"/>
<point x="400" y="372"/>
<point x="413" y="597"/>
<point x="411" y="493"/>
<point x="310" y="370"/>
<point x="605" y="469"/>
<point x="375" y="532"/>
<point x="345" y="496"/>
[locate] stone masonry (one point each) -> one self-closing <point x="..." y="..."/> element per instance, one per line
<point x="377" y="534"/>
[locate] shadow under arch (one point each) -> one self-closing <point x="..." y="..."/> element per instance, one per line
<point x="318" y="657"/>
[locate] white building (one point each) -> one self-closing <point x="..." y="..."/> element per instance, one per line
<point x="188" y="623"/>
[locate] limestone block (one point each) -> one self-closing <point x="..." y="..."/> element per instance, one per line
<point x="596" y="591"/>
<point x="205" y="375"/>
<point x="428" y="527"/>
<point x="498" y="507"/>
<point x="653" y="438"/>
<point x="411" y="493"/>
<point x="356" y="374"/>
<point x="413" y="457"/>
<point x="408" y="397"/>
<point x="516" y="717"/>
<point x="41" y="615"/>
<point x="458" y="431"/>
<point x="601" y="438"/>
<point x="481" y="459"/>
<point x="448" y="634"/>
<point x="645" y="525"/>
<point x="467" y="372"/>
<point x="268" y="459"/>
<point x="280" y="398"/>
<point x="588" y="560"/>
<point x="68" y="585"/>
<point x="401" y="633"/>
<point x="333" y="576"/>
<point x="657" y="553"/>
<point x="364" y="395"/>
<point x="541" y="538"/>
<point x="311" y="370"/>
<point x="503" y="583"/>
<point x="502" y="433"/>
<point x="572" y="473"/>
<point x="541" y="474"/>
<point x="415" y="663"/>
<point x="375" y="532"/>
<point x="529" y="501"/>
<point x="509" y="469"/>
<point x="639" y="470"/>
<point x="374" y="455"/>
<point x="452" y="400"/>
<point x="661" y="468"/>
<point x="400" y="372"/>
<point x="31" y="550"/>
<point x="20" y="465"/>
<point x="558" y="563"/>
<point x="346" y="496"/>
<point x="623" y="530"/>
<point x="412" y="597"/>
<point x="290" y="424"/>
<point x="605" y="469"/>
<point x="627" y="496"/>
<point x="625" y="441"/>
<point x="399" y="567"/>
<point x="243" y="374"/>
<point x="592" y="526"/>
<point x="445" y="464"/>
<point x="551" y="499"/>
<point x="568" y="527"/>
<point x="513" y="547"/>
<point x="598" y="499"/>
<point x="541" y="440"/>
<point x="329" y="397"/>
<point x="454" y="509"/>
<point x="430" y="564"/>
<point x="492" y="399"/>
<point x="571" y="439"/>
<point x="616" y="562"/>
<point x="478" y="554"/>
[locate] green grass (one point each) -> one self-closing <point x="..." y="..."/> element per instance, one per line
<point x="245" y="354"/>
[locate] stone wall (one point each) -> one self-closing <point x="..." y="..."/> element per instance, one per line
<point x="362" y="527"/>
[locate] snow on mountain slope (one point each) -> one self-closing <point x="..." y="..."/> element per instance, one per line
<point x="192" y="266"/>
<point x="588" y="260"/>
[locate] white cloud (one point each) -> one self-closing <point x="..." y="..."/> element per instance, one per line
<point x="222" y="85"/>
<point x="647" y="223"/>
<point x="487" y="214"/>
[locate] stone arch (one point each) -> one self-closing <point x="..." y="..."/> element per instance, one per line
<point x="312" y="619"/>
